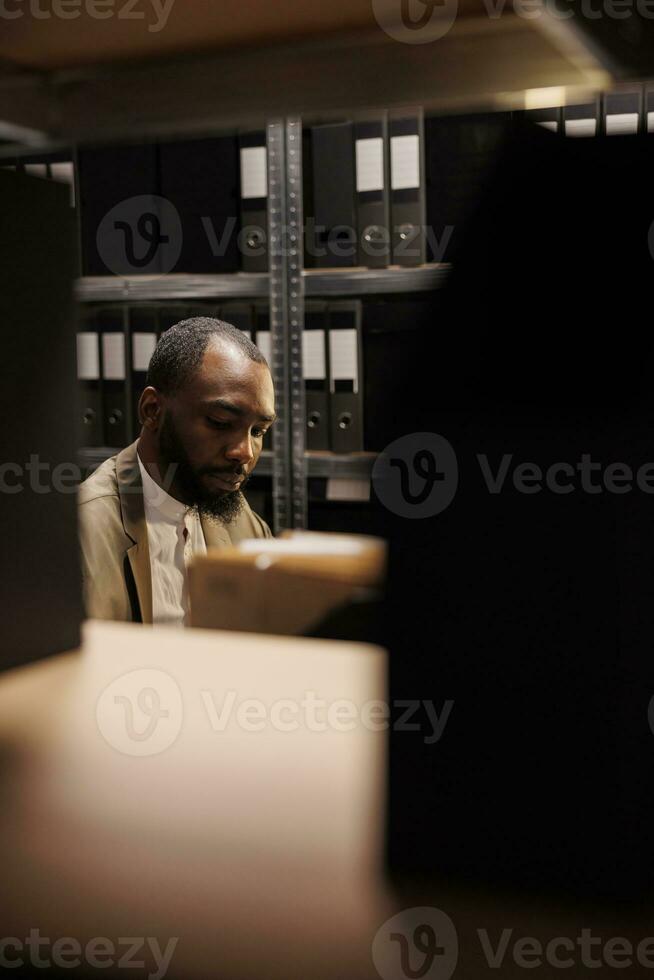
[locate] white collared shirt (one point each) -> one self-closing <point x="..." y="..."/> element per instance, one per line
<point x="170" y="550"/>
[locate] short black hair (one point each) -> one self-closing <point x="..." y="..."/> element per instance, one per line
<point x="180" y="350"/>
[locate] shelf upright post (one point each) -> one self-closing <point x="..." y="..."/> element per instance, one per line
<point x="286" y="286"/>
<point x="295" y="279"/>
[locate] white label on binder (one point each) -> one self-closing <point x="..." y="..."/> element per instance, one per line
<point x="36" y="169"/>
<point x="370" y="164"/>
<point x="264" y="343"/>
<point x="254" y="171"/>
<point x="621" y="122"/>
<point x="143" y="345"/>
<point x="580" y="127"/>
<point x="88" y="356"/>
<point x="313" y="355"/>
<point x="344" y="488"/>
<point x="650" y="122"/>
<point x="113" y="356"/>
<point x="405" y="162"/>
<point x="550" y="124"/>
<point x="64" y="172"/>
<point x="343" y="356"/>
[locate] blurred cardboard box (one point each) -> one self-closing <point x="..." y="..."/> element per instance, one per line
<point x="285" y="585"/>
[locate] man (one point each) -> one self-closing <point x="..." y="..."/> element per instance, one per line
<point x="207" y="405"/>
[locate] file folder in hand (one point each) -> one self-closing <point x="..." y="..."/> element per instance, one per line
<point x="114" y="402"/>
<point x="254" y="202"/>
<point x="407" y="168"/>
<point x="314" y="370"/>
<point x="88" y="377"/>
<point x="372" y="192"/>
<point x="346" y="377"/>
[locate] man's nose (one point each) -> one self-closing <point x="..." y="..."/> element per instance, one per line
<point x="241" y="450"/>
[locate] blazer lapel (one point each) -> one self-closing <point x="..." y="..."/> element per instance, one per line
<point x="132" y="507"/>
<point x="216" y="535"/>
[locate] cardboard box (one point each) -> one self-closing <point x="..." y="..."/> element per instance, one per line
<point x="285" y="585"/>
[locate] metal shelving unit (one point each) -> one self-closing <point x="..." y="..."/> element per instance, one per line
<point x="235" y="285"/>
<point x="285" y="285"/>
<point x="362" y="282"/>
<point x="242" y="285"/>
<point x="212" y="82"/>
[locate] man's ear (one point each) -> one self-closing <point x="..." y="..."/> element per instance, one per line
<point x="150" y="408"/>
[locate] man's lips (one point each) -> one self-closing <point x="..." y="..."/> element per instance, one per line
<point x="228" y="481"/>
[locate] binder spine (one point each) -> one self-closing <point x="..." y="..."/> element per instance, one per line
<point x="346" y="376"/>
<point x="143" y="332"/>
<point x="115" y="382"/>
<point x="90" y="412"/>
<point x="331" y="237"/>
<point x="315" y="373"/>
<point x="253" y="237"/>
<point x="622" y="113"/>
<point x="581" y="120"/>
<point x="407" y="183"/>
<point x="371" y="161"/>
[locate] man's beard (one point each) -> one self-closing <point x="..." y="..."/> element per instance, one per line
<point x="223" y="506"/>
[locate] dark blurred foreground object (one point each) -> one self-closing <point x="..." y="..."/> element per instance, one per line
<point x="532" y="609"/>
<point x="40" y="578"/>
<point x="622" y="39"/>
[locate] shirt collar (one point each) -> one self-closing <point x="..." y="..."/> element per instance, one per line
<point x="157" y="500"/>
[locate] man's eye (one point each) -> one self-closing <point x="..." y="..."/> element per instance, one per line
<point x="258" y="433"/>
<point x="217" y="424"/>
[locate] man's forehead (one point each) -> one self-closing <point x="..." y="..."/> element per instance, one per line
<point x="227" y="370"/>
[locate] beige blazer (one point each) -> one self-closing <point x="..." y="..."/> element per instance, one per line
<point x="114" y="540"/>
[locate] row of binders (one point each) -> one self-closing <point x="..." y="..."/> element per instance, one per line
<point x="365" y="199"/>
<point x="115" y="344"/>
<point x="619" y="113"/>
<point x="200" y="206"/>
<point x="383" y="188"/>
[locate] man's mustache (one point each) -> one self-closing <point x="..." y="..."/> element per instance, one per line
<point x="225" y="471"/>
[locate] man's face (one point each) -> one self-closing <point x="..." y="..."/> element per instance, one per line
<point x="213" y="429"/>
